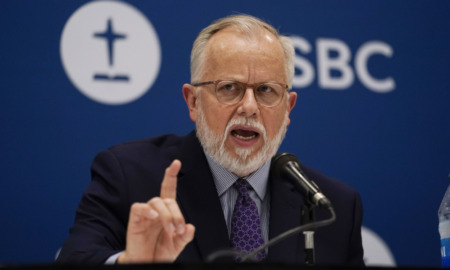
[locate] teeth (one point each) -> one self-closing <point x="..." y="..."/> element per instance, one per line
<point x="244" y="138"/>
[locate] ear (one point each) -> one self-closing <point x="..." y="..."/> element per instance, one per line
<point x="189" y="94"/>
<point x="291" y="103"/>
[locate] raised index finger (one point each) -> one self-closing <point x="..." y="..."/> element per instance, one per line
<point x="169" y="183"/>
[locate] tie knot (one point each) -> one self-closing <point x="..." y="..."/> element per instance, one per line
<point x="242" y="186"/>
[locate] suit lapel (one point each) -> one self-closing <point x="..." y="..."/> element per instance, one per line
<point x="285" y="214"/>
<point x="199" y="201"/>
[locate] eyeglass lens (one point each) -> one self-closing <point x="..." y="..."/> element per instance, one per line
<point x="231" y="92"/>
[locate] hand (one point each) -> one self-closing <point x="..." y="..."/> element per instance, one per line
<point x="157" y="231"/>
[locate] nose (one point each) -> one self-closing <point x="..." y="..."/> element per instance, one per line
<point x="248" y="106"/>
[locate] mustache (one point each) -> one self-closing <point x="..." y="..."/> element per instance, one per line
<point x="250" y="122"/>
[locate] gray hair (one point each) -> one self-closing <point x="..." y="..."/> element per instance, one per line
<point x="248" y="25"/>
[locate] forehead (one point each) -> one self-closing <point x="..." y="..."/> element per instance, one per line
<point x="233" y="53"/>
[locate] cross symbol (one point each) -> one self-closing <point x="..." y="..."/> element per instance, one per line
<point x="110" y="36"/>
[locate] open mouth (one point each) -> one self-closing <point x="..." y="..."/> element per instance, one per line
<point x="244" y="134"/>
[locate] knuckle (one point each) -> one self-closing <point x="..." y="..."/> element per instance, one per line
<point x="169" y="201"/>
<point x="136" y="206"/>
<point x="154" y="201"/>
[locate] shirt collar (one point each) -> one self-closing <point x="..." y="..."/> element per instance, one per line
<point x="224" y="179"/>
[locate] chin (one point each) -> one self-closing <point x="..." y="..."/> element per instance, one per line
<point x="244" y="161"/>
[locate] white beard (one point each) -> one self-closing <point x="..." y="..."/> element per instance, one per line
<point x="214" y="144"/>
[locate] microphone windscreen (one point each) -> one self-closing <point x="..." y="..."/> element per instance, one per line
<point x="279" y="161"/>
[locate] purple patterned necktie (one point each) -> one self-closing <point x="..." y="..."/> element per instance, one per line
<point x="245" y="224"/>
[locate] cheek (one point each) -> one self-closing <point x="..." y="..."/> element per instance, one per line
<point x="216" y="117"/>
<point x="274" y="122"/>
<point x="216" y="123"/>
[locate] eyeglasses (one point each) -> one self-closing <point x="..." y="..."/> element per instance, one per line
<point x="267" y="94"/>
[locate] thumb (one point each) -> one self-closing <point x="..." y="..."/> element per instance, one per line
<point x="185" y="238"/>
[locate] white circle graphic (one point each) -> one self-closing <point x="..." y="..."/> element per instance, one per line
<point x="376" y="251"/>
<point x="110" y="52"/>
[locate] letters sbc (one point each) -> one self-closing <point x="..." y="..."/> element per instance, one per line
<point x="335" y="55"/>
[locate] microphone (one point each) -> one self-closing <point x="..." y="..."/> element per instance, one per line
<point x="287" y="166"/>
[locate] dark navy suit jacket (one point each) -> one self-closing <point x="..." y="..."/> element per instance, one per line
<point x="133" y="171"/>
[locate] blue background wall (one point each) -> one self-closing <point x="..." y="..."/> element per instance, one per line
<point x="393" y="147"/>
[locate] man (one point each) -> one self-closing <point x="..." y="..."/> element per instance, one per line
<point x="241" y="71"/>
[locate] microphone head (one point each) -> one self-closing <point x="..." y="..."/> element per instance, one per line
<point x="279" y="161"/>
<point x="287" y="167"/>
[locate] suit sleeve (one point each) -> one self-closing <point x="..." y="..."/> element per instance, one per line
<point x="101" y="218"/>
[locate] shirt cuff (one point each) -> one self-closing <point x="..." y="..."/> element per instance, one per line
<point x="113" y="258"/>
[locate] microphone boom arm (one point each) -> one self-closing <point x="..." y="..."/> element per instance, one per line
<point x="287" y="234"/>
